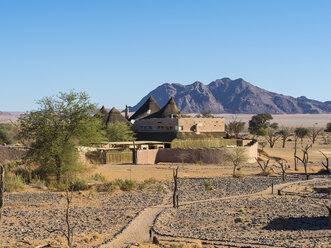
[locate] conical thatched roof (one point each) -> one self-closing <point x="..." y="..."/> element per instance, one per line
<point x="149" y="107"/>
<point x="169" y="110"/>
<point x="115" y="116"/>
<point x="103" y="114"/>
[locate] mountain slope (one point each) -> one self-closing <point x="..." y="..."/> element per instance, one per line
<point x="232" y="96"/>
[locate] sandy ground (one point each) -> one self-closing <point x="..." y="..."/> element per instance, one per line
<point x="27" y="214"/>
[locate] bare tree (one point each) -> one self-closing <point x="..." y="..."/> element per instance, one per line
<point x="272" y="136"/>
<point x="236" y="157"/>
<point x="326" y="164"/>
<point x="295" y="151"/>
<point x="175" y="195"/>
<point x="284" y="134"/>
<point x="265" y="169"/>
<point x="314" y="132"/>
<point x="2" y="188"/>
<point x="304" y="159"/>
<point x="283" y="166"/>
<point x="68" y="233"/>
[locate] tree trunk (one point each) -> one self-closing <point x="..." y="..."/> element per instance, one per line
<point x="234" y="170"/>
<point x="175" y="194"/>
<point x="284" y="140"/>
<point x="2" y="179"/>
<point x="295" y="154"/>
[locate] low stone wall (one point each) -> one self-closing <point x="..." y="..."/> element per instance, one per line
<point x="192" y="155"/>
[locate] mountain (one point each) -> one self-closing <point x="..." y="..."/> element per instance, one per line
<point x="232" y="96"/>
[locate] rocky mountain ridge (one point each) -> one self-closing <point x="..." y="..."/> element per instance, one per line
<point x="232" y="96"/>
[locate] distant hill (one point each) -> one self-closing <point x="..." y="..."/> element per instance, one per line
<point x="232" y="96"/>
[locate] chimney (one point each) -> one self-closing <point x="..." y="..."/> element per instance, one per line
<point x="126" y="112"/>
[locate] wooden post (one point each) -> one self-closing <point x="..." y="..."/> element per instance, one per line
<point x="174" y="197"/>
<point x="295" y="153"/>
<point x="2" y="190"/>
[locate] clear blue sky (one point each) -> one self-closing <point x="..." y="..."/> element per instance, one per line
<point x="118" y="51"/>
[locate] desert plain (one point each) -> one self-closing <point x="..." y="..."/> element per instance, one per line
<point x="215" y="209"/>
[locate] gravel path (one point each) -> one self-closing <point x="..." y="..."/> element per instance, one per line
<point x="138" y="230"/>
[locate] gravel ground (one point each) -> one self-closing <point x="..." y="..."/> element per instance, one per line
<point x="194" y="189"/>
<point x="96" y="217"/>
<point x="287" y="221"/>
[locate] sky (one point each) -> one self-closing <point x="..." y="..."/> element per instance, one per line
<point x="119" y="51"/>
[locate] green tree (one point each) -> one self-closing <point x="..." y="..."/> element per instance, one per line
<point x="236" y="157"/>
<point x="284" y="134"/>
<point x="8" y="133"/>
<point x="119" y="131"/>
<point x="55" y="130"/>
<point x="259" y="121"/>
<point x="301" y="132"/>
<point x="234" y="128"/>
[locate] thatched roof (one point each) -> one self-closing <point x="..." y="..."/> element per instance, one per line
<point x="115" y="116"/>
<point x="149" y="107"/>
<point x="169" y="110"/>
<point x="103" y="114"/>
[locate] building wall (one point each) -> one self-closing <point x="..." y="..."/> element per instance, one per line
<point x="201" y="125"/>
<point x="180" y="125"/>
<point x="156" y="125"/>
<point x="147" y="156"/>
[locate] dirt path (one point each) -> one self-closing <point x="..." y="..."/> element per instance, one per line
<point x="138" y="230"/>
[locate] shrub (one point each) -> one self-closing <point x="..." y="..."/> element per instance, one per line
<point x="126" y="185"/>
<point x="106" y="187"/>
<point x="13" y="182"/>
<point x="99" y="178"/>
<point x="150" y="180"/>
<point x="92" y="195"/>
<point x="39" y="183"/>
<point x="78" y="184"/>
<point x="160" y="187"/>
<point x="208" y="184"/>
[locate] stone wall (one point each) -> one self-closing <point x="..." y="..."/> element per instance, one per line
<point x="192" y="155"/>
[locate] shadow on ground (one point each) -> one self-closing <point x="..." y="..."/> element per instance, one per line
<point x="300" y="223"/>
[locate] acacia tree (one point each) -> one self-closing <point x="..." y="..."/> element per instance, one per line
<point x="314" y="132"/>
<point x="305" y="159"/>
<point x="284" y="134"/>
<point x="60" y="124"/>
<point x="235" y="127"/>
<point x="236" y="157"/>
<point x="301" y="132"/>
<point x="259" y="121"/>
